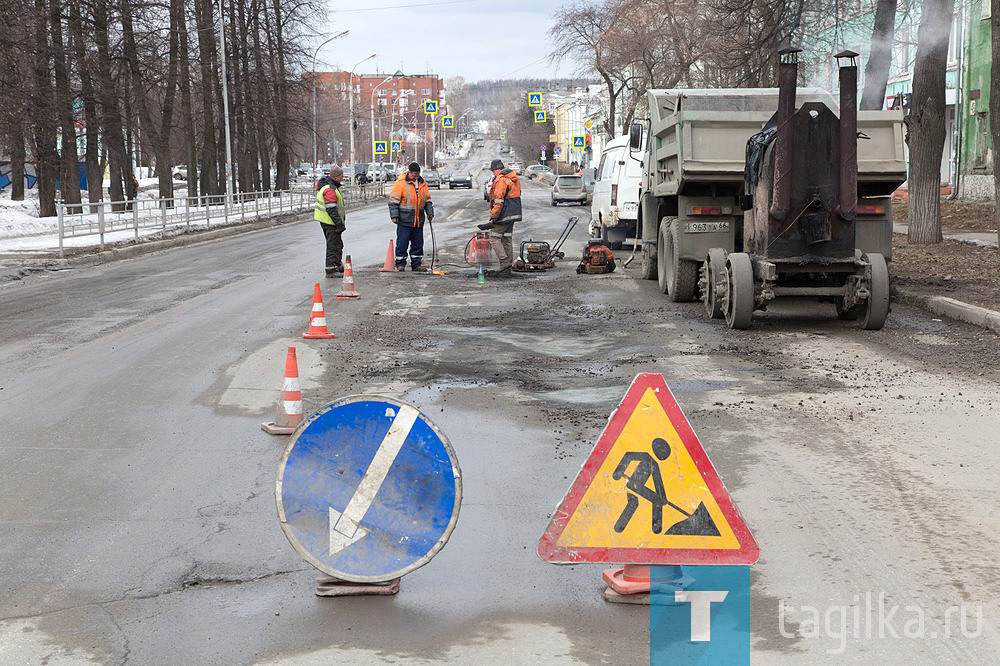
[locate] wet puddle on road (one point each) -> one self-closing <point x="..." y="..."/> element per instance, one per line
<point x="559" y="346"/>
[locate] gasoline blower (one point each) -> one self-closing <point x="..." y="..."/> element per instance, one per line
<point x="597" y="258"/>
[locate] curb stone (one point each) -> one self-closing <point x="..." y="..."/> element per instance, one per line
<point x="25" y="266"/>
<point x="952" y="308"/>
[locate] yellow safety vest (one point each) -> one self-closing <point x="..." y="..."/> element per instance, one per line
<point x="319" y="208"/>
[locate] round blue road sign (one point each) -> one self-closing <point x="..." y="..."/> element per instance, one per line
<point x="368" y="489"/>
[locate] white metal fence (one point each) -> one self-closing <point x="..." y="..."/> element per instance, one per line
<point x="153" y="215"/>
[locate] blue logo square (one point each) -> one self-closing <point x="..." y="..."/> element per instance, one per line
<point x="704" y="621"/>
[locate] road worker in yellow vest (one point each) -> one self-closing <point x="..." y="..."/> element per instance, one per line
<point x="329" y="210"/>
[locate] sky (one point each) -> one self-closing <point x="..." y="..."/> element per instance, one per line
<point x="477" y="39"/>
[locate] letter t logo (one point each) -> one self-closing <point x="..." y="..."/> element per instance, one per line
<point x="701" y="611"/>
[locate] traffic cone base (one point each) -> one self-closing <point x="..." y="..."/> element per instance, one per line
<point x="390" y="261"/>
<point x="289" y="412"/>
<point x="317" y="318"/>
<point x="348" y="292"/>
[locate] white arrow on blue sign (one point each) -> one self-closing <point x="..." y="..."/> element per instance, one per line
<point x="368" y="489"/>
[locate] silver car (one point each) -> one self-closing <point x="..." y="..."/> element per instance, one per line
<point x="569" y="189"/>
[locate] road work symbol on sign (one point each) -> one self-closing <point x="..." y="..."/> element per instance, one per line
<point x="535" y="99"/>
<point x="648" y="494"/>
<point x="539" y="116"/>
<point x="368" y="489"/>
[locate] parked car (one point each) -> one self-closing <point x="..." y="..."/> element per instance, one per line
<point x="179" y="172"/>
<point x="460" y="179"/>
<point x="616" y="193"/>
<point x="569" y="189"/>
<point x="588" y="184"/>
<point x="518" y="168"/>
<point x="304" y="168"/>
<point x="487" y="187"/>
<point x="432" y="178"/>
<point x="537" y="170"/>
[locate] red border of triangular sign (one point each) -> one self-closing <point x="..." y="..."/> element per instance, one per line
<point x="548" y="550"/>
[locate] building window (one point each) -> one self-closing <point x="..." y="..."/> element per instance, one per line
<point x="985" y="9"/>
<point x="383" y="102"/>
<point x="381" y="93"/>
<point x="425" y="92"/>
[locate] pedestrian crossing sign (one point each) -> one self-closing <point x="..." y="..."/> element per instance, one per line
<point x="430" y="106"/>
<point x="503" y="136"/>
<point x="447" y="121"/>
<point x="380" y="147"/>
<point x="648" y="494"/>
<point x="580" y="141"/>
<point x="539" y="116"/>
<point x="397" y="146"/>
<point x="535" y="99"/>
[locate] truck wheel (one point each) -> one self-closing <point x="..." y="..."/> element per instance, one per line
<point x="845" y="313"/>
<point x="713" y="270"/>
<point x="647" y="263"/>
<point x="663" y="234"/>
<point x="680" y="275"/>
<point x="739" y="291"/>
<point x="876" y="308"/>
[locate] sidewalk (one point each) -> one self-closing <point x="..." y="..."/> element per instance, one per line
<point x="983" y="238"/>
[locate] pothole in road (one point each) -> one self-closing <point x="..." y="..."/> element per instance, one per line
<point x="546" y="344"/>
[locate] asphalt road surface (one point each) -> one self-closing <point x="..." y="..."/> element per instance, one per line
<point x="137" y="514"/>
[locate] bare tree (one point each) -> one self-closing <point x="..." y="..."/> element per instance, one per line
<point x="926" y="121"/>
<point x="880" y="56"/>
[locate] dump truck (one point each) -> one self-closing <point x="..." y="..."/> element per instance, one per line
<point x="749" y="195"/>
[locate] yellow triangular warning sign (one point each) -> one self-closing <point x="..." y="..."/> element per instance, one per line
<point x="648" y="494"/>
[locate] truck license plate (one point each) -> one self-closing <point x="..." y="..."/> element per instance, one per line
<point x="701" y="227"/>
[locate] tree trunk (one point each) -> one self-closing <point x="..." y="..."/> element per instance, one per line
<point x="206" y="49"/>
<point x="69" y="168"/>
<point x="95" y="174"/>
<point x="995" y="111"/>
<point x="282" y="161"/>
<point x="44" y="125"/>
<point x="926" y="122"/>
<point x="880" y="57"/>
<point x="186" y="114"/>
<point x="111" y="120"/>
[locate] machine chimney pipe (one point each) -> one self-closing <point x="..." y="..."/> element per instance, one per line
<point x="848" y="203"/>
<point x="788" y="69"/>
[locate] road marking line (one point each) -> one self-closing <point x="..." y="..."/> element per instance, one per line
<point x="345" y="527"/>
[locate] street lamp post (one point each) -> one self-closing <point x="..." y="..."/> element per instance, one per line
<point x="225" y="113"/>
<point x="371" y="107"/>
<point x="315" y="55"/>
<point x="351" y="95"/>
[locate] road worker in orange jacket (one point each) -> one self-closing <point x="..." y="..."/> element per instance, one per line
<point x="505" y="210"/>
<point x="409" y="207"/>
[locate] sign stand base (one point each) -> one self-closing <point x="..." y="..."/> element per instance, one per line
<point x="328" y="586"/>
<point x="632" y="584"/>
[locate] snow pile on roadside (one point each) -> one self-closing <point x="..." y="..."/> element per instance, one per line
<point x="20" y="218"/>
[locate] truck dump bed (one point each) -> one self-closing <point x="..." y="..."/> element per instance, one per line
<point x="700" y="136"/>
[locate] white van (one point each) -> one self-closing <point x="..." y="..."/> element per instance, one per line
<point x="616" y="193"/>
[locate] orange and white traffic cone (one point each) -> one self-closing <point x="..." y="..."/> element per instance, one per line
<point x="317" y="318"/>
<point x="289" y="413"/>
<point x="348" y="292"/>
<point x="390" y="260"/>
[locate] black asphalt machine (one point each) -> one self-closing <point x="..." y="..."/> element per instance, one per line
<point x="539" y="255"/>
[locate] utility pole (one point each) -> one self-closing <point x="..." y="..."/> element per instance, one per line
<point x="351" y="96"/>
<point x="314" y="131"/>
